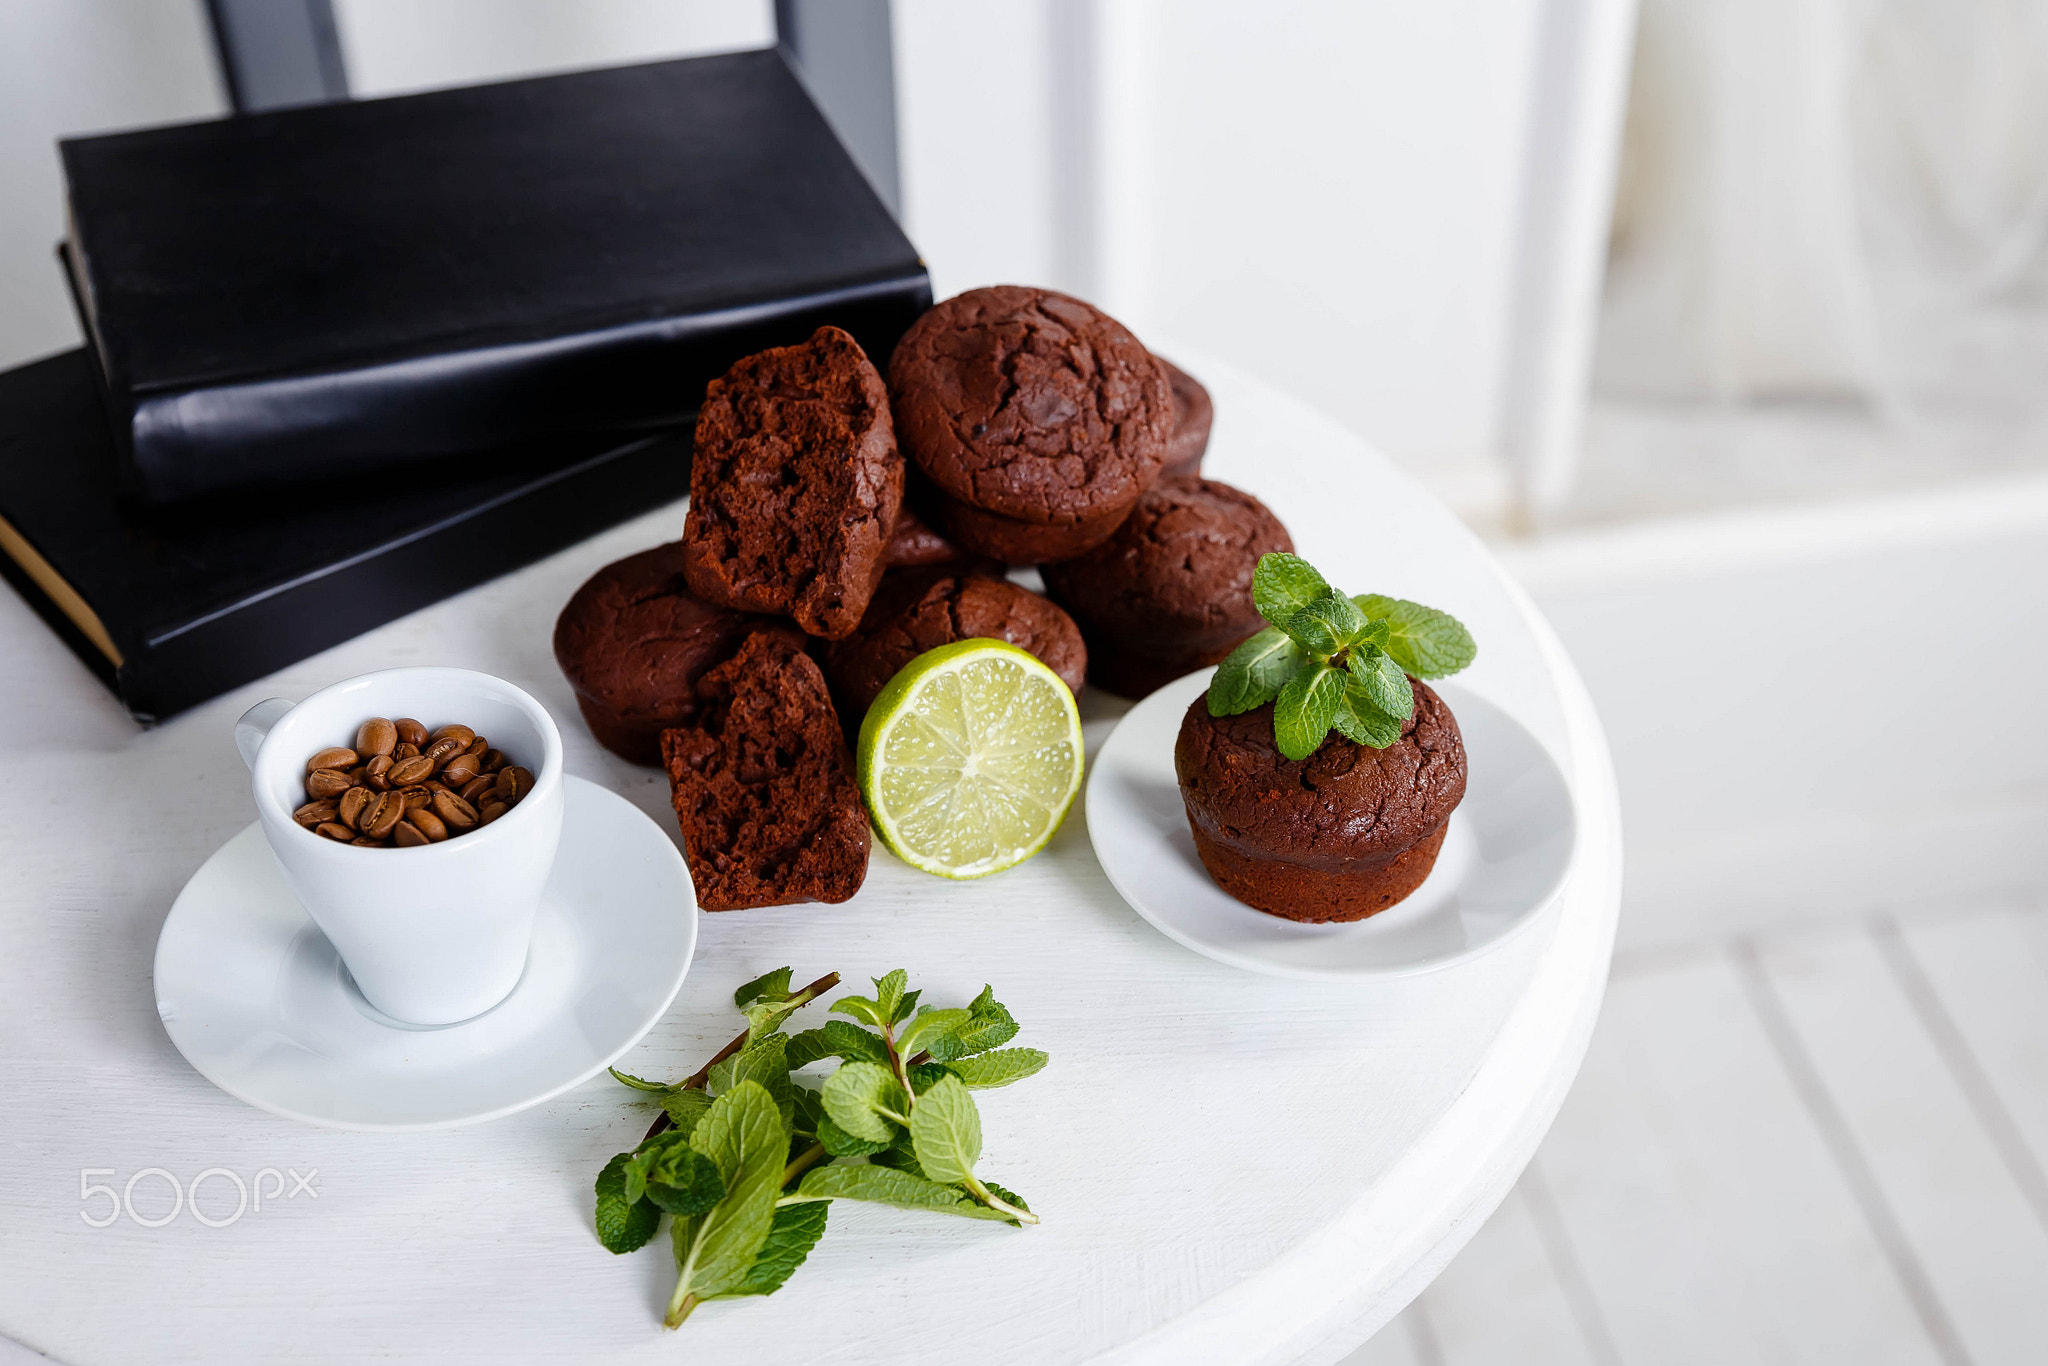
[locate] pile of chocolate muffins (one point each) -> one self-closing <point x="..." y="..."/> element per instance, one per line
<point x="841" y="525"/>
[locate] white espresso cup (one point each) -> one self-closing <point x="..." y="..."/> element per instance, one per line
<point x="432" y="934"/>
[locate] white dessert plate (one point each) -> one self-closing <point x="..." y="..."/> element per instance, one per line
<point x="1503" y="860"/>
<point x="256" y="998"/>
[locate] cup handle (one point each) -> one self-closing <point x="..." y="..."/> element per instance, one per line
<point x="256" y="723"/>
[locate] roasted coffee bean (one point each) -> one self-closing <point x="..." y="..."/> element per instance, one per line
<point x="494" y="759"/>
<point x="462" y="735"/>
<point x="410" y="732"/>
<point x="475" y="789"/>
<point x="366" y="842"/>
<point x="315" y="813"/>
<point x="441" y="751"/>
<point x="334" y="830"/>
<point x="325" y="784"/>
<point x="429" y="824"/>
<point x="479" y="747"/>
<point x="417" y="797"/>
<point x="377" y="773"/>
<point x="404" y="752"/>
<point x="513" y="783"/>
<point x="359" y="773"/>
<point x="460" y="771"/>
<point x="334" y="756"/>
<point x="383" y="812"/>
<point x="406" y="772"/>
<point x="376" y="736"/>
<point x="352" y="803"/>
<point x="455" y="813"/>
<point x="408" y="836"/>
<point x="491" y="811"/>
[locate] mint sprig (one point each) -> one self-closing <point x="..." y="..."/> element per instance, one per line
<point x="1329" y="661"/>
<point x="745" y="1158"/>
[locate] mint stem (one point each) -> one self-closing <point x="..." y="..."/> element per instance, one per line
<point x="802" y="1162"/>
<point x="994" y="1201"/>
<point x="696" y="1080"/>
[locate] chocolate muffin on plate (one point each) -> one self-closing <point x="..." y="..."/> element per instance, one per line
<point x="634" y="640"/>
<point x="1039" y="418"/>
<point x="1171" y="590"/>
<point x="921" y="609"/>
<point x="1338" y="836"/>
<point x="763" y="784"/>
<point x="796" y="485"/>
<point x="1193" y="415"/>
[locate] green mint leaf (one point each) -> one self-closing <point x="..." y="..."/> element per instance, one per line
<point x="1422" y="640"/>
<point x="1362" y="723"/>
<point x="926" y="1075"/>
<point x="899" y="1156"/>
<point x="1385" y="686"/>
<point x="660" y="1088"/>
<point x="685" y="1108"/>
<point x="810" y="1108"/>
<point x="1306" y="709"/>
<point x="1283" y="584"/>
<point x="906" y="1007"/>
<point x="766" y="1061"/>
<point x="928" y="1026"/>
<point x="836" y="1039"/>
<point x="1252" y="674"/>
<point x="769" y="986"/>
<point x="1372" y="633"/>
<point x="990" y="1025"/>
<point x="792" y="1234"/>
<point x="945" y="1132"/>
<point x="889" y="1186"/>
<point x="889" y="995"/>
<point x="1326" y="625"/>
<point x="622" y="1225"/>
<point x="840" y="1143"/>
<point x="1009" y="1196"/>
<point x="860" y="1008"/>
<point x="744" y="1136"/>
<point x="866" y="1100"/>
<point x="696" y="1189"/>
<point x="999" y="1068"/>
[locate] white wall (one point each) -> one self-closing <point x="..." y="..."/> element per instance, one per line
<point x="69" y="67"/>
<point x="398" y="46"/>
<point x="1329" y="193"/>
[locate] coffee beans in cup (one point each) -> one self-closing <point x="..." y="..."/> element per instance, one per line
<point x="401" y="786"/>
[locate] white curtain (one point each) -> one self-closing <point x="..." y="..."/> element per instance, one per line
<point x="1838" y="198"/>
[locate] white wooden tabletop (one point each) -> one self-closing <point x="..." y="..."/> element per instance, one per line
<point x="1230" y="1168"/>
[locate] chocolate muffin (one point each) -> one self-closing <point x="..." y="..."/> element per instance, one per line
<point x="1039" y="418"/>
<point x="763" y="784"/>
<point x="1340" y="835"/>
<point x="796" y="485"/>
<point x="915" y="545"/>
<point x="633" y="642"/>
<point x="1193" y="414"/>
<point x="1171" y="590"/>
<point x="921" y="609"/>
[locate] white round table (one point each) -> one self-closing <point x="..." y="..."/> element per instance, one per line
<point x="1230" y="1168"/>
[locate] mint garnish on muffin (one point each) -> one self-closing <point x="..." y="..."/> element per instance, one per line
<point x="1331" y="661"/>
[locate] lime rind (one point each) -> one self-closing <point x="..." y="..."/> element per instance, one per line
<point x="970" y="758"/>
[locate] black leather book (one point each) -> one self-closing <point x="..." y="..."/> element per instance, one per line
<point x="381" y="281"/>
<point x="173" y="606"/>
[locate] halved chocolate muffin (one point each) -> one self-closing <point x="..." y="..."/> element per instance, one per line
<point x="763" y="784"/>
<point x="1340" y="835"/>
<point x="634" y="640"/>
<point x="1171" y="590"/>
<point x="796" y="485"/>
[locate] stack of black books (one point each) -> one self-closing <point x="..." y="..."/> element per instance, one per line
<point x="346" y="360"/>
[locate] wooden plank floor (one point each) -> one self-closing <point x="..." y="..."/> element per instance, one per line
<point x="1823" y="1145"/>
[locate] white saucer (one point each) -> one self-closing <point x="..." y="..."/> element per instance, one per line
<point x="255" y="997"/>
<point x="1503" y="861"/>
